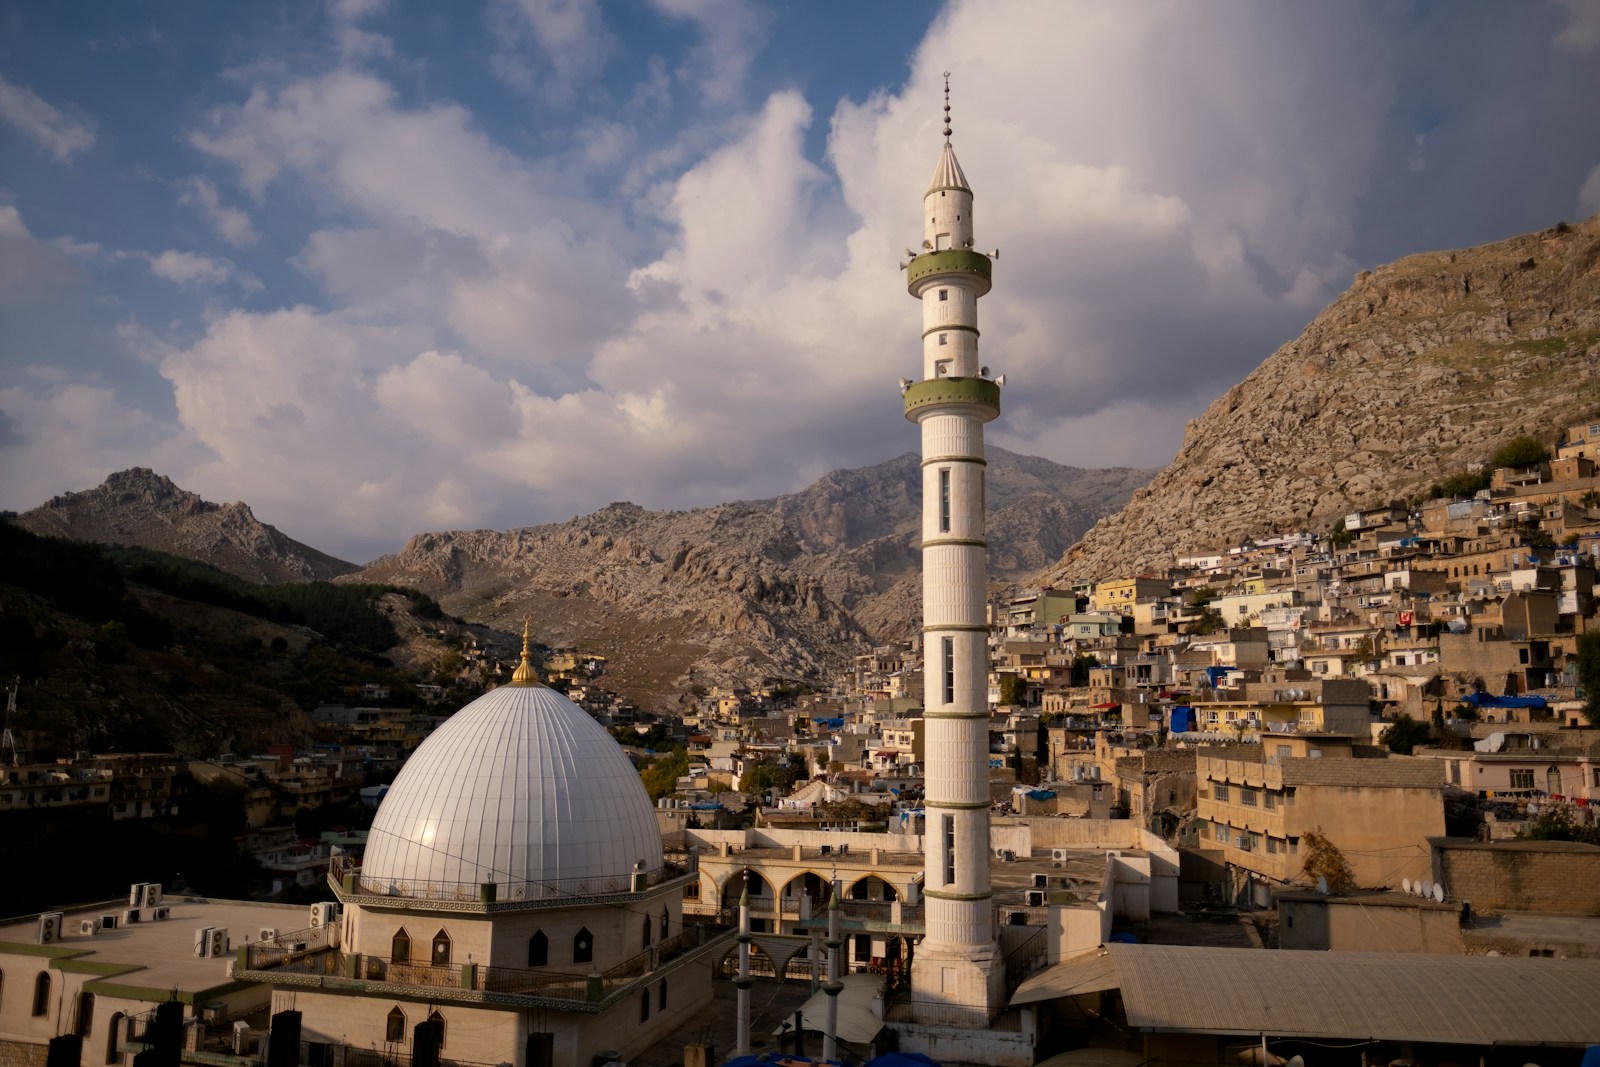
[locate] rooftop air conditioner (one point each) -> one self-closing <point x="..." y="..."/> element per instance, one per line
<point x="1060" y="853"/>
<point x="323" y="914"/>
<point x="89" y="926"/>
<point x="161" y="913"/>
<point x="219" y="942"/>
<point x="150" y="895"/>
<point x="1035" y="898"/>
<point x="1040" y="881"/>
<point x="202" y="941"/>
<point x="48" y="929"/>
<point x="267" y="933"/>
<point x="108" y="922"/>
<point x="131" y="915"/>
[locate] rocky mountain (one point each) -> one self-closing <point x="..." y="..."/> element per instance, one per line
<point x="786" y="587"/>
<point x="142" y="508"/>
<point x="1420" y="370"/>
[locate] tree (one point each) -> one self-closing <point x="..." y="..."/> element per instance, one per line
<point x="1555" y="824"/>
<point x="1012" y="689"/>
<point x="1522" y="451"/>
<point x="1324" y="860"/>
<point x="765" y="776"/>
<point x="661" y="777"/>
<point x="1404" y="734"/>
<point x="1589" y="675"/>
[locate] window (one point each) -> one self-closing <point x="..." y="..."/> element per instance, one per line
<point x="863" y="947"/>
<point x="1597" y="777"/>
<point x="661" y="996"/>
<point x="1294" y="845"/>
<point x="538" y="949"/>
<point x="1219" y="792"/>
<point x="665" y="918"/>
<point x="944" y="294"/>
<point x="1272" y="845"/>
<point x="644" y="1004"/>
<point x="949" y="850"/>
<point x="438" y="1020"/>
<point x="115" y="1024"/>
<point x="944" y="499"/>
<point x="1288" y="797"/>
<point x="648" y="926"/>
<point x="441" y="949"/>
<point x="1522" y="778"/>
<point x="1247" y="797"/>
<point x="583" y="946"/>
<point x="944" y="339"/>
<point x="394" y="1028"/>
<point x="41" y="994"/>
<point x="85" y="1013"/>
<point x="400" y="947"/>
<point x="949" y="645"/>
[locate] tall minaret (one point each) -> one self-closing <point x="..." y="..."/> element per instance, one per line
<point x="957" y="972"/>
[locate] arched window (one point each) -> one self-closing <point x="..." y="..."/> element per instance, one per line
<point x="85" y="1013"/>
<point x="644" y="1004"/>
<point x="400" y="947"/>
<point x="661" y="996"/>
<point x="41" y="994"/>
<point x="394" y="1029"/>
<point x="538" y="949"/>
<point x="435" y="1017"/>
<point x="583" y="946"/>
<point x="111" y="1038"/>
<point x="441" y="948"/>
<point x="647" y="927"/>
<point x="663" y="924"/>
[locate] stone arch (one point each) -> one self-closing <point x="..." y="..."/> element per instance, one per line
<point x="813" y="885"/>
<point x="400" y="947"/>
<point x="394" y="1026"/>
<point x="758" y="885"/>
<point x="872" y="887"/>
<point x="441" y="948"/>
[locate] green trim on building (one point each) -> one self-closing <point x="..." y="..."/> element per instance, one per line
<point x="940" y="894"/>
<point x="937" y="392"/>
<point x="979" y="460"/>
<point x="955" y="714"/>
<point x="91" y="967"/>
<point x="975" y="266"/>
<point x="961" y="627"/>
<point x="18" y="948"/>
<point x="959" y="805"/>
<point x="969" y="542"/>
<point x="947" y="327"/>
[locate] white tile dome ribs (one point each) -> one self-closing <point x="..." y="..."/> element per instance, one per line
<point x="520" y="788"/>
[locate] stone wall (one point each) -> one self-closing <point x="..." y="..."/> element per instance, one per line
<point x="22" y="1054"/>
<point x="1549" y="876"/>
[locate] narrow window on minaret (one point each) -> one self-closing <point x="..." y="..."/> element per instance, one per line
<point x="944" y="294"/>
<point x="949" y="850"/>
<point x="944" y="338"/>
<point x="944" y="499"/>
<point x="949" y="670"/>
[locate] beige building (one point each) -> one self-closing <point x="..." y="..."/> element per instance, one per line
<point x="1377" y="810"/>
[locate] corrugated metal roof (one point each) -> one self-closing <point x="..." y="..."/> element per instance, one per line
<point x="1088" y="973"/>
<point x="1457" y="1000"/>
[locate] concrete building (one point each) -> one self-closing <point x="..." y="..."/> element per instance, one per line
<point x="957" y="974"/>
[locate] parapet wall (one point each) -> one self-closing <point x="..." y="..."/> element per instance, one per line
<point x="1550" y="876"/>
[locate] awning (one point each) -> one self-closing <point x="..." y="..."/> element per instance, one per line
<point x="1104" y="707"/>
<point x="1090" y="972"/>
<point x="858" y="1022"/>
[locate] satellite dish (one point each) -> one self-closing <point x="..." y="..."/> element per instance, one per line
<point x="1405" y="885"/>
<point x="1322" y="884"/>
<point x="1438" y="893"/>
<point x="1425" y="888"/>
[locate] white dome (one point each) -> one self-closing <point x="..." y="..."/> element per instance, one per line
<point x="521" y="788"/>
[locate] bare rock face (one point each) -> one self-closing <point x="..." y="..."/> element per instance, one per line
<point x="785" y="588"/>
<point x="142" y="508"/>
<point x="1421" y="369"/>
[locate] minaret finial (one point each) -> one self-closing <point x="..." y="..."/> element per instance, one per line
<point x="525" y="674"/>
<point x="947" y="107"/>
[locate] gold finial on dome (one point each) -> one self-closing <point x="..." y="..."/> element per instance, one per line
<point x="525" y="674"/>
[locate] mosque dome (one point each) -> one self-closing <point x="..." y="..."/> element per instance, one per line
<point x="521" y="788"/>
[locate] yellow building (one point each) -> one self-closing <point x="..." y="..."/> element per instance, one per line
<point x="1119" y="594"/>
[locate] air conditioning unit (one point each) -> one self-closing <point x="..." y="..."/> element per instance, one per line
<point x="1040" y="881"/>
<point x="136" y="895"/>
<point x="162" y="913"/>
<point x="323" y="915"/>
<point x="48" y="929"/>
<point x="1008" y="855"/>
<point x="1113" y="854"/>
<point x="241" y="1038"/>
<point x="298" y="946"/>
<point x="150" y="895"/>
<point x="89" y="926"/>
<point x="131" y="915"/>
<point x="267" y="933"/>
<point x="108" y="922"/>
<point x="219" y="942"/>
<point x="202" y="941"/>
<point x="1035" y="898"/>
<point x="1061" y="853"/>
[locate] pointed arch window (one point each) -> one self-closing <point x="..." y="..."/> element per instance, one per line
<point x="441" y="948"/>
<point x="538" y="949"/>
<point x="394" y="1027"/>
<point x="583" y="946"/>
<point x="647" y="927"/>
<point x="85" y="1013"/>
<point x="664" y="921"/>
<point x="435" y="1017"/>
<point x="111" y="1038"/>
<point x="41" y="994"/>
<point x="661" y="996"/>
<point x="644" y="1005"/>
<point x="400" y="947"/>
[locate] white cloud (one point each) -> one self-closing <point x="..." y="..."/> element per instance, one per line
<point x="731" y="32"/>
<point x="229" y="223"/>
<point x="58" y="133"/>
<point x="547" y="46"/>
<point x="26" y="263"/>
<point x="1582" y="31"/>
<point x="189" y="268"/>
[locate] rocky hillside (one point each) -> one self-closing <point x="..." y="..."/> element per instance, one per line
<point x="142" y="508"/>
<point x="1420" y="370"/>
<point x="785" y="588"/>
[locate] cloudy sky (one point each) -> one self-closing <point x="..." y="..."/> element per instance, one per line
<point x="379" y="267"/>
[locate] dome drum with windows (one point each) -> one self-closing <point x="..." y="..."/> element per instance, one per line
<point x="518" y="796"/>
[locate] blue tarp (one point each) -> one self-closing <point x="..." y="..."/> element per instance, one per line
<point x="1489" y="700"/>
<point x="1181" y="719"/>
<point x="1041" y="794"/>
<point x="1216" y="674"/>
<point x="832" y="724"/>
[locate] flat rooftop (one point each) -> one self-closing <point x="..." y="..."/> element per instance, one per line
<point x="155" y="957"/>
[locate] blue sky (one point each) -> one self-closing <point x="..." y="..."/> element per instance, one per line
<point x="379" y="268"/>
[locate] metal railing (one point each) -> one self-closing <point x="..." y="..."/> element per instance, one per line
<point x="505" y="890"/>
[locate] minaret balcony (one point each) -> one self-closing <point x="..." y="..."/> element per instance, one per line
<point x="969" y="267"/>
<point x="979" y="393"/>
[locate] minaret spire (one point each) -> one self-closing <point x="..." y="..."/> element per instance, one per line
<point x="947" y="107"/>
